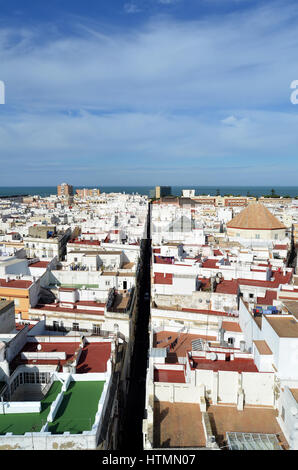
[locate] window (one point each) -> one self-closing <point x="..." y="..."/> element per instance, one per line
<point x="96" y="329"/>
<point x="43" y="377"/>
<point x="282" y="413"/>
<point x="276" y="236"/>
<point x="107" y="283"/>
<point x="257" y="235"/>
<point x="29" y="378"/>
<point x="75" y="326"/>
<point x="55" y="325"/>
<point x="251" y="296"/>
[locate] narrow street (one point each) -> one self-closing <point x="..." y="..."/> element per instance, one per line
<point x="131" y="436"/>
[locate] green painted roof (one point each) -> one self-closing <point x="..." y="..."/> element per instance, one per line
<point x="78" y="408"/>
<point x="19" y="423"/>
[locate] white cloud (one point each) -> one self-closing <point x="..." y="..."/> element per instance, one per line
<point x="131" y="8"/>
<point x="238" y="60"/>
<point x="167" y="2"/>
<point x="167" y="95"/>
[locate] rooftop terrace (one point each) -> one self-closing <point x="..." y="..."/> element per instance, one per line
<point x="180" y="424"/>
<point x="19" y="423"/>
<point x="78" y="408"/>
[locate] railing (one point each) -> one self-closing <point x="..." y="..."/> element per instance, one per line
<point x="47" y="386"/>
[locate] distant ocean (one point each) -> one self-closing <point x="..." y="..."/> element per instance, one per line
<point x="43" y="191"/>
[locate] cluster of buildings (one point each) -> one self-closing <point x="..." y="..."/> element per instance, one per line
<point x="223" y="358"/>
<point x="222" y="369"/>
<point x="69" y="270"/>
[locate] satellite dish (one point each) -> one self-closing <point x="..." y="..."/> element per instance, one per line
<point x="213" y="356"/>
<point x="39" y="347"/>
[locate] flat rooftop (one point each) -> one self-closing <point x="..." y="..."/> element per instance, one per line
<point x="284" y="326"/>
<point x="19" y="423"/>
<point x="251" y="420"/>
<point x="177" y="425"/>
<point x="294" y="392"/>
<point x="179" y="343"/>
<point x="236" y="365"/>
<point x="180" y="424"/>
<point x="262" y="347"/>
<point x="93" y="358"/>
<point x="78" y="408"/>
<point x="169" y="376"/>
<point x="292" y="307"/>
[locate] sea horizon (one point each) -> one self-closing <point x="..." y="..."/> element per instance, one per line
<point x="241" y="190"/>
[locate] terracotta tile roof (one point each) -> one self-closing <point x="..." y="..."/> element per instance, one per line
<point x="237" y="365"/>
<point x="57" y="308"/>
<point x="294" y="392"/>
<point x="162" y="339"/>
<point x="268" y="299"/>
<point x="255" y="217"/>
<point x="163" y="278"/>
<point x="210" y="263"/>
<point x="85" y="242"/>
<point x="163" y="260"/>
<point x="172" y="376"/>
<point x="227" y="287"/>
<point x="217" y="253"/>
<point x="285" y="326"/>
<point x="39" y="264"/>
<point x="231" y="326"/>
<point x="262" y="347"/>
<point x="94" y="358"/>
<point x="278" y="278"/>
<point x="15" y="283"/>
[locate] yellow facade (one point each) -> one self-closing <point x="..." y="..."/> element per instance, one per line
<point x="20" y="298"/>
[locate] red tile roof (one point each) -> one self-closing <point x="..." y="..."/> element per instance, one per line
<point x="163" y="278"/>
<point x="90" y="303"/>
<point x="94" y="358"/>
<point x="231" y="326"/>
<point x="217" y="253"/>
<point x="227" y="287"/>
<point x="237" y="365"/>
<point x="163" y="260"/>
<point x="206" y="312"/>
<point x="85" y="242"/>
<point x="268" y="299"/>
<point x="210" y="263"/>
<point x="39" y="264"/>
<point x="163" y="339"/>
<point x="278" y="278"/>
<point x="57" y="308"/>
<point x="172" y="376"/>
<point x="15" y="283"/>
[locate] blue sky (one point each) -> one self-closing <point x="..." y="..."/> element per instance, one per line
<point x="144" y="92"/>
